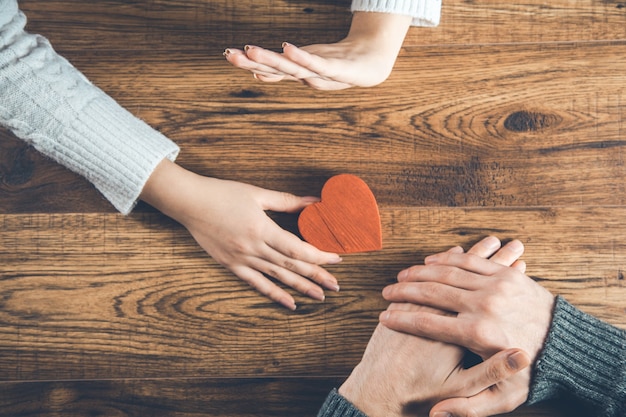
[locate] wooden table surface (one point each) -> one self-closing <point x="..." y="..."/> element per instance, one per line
<point x="506" y="119"/>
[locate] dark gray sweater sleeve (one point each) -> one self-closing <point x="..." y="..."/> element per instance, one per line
<point x="337" y="406"/>
<point x="583" y="358"/>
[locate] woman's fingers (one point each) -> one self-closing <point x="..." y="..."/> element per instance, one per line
<point x="264" y="286"/>
<point x="279" y="63"/>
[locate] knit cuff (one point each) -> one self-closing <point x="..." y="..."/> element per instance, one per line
<point x="114" y="150"/>
<point x="424" y="12"/>
<point x="338" y="406"/>
<point x="582" y="357"/>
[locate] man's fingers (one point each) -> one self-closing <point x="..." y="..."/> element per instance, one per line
<point x="509" y="253"/>
<point x="446" y="274"/>
<point x="520" y="266"/>
<point x="486" y="247"/>
<point x="425" y="324"/>
<point x="490" y="402"/>
<point x="465" y="261"/>
<point x="497" y="368"/>
<point x="486" y="379"/>
<point x="432" y="294"/>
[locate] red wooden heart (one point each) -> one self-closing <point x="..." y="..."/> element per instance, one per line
<point x="346" y="220"/>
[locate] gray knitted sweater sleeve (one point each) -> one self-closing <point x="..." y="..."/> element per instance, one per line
<point x="48" y="103"/>
<point x="583" y="358"/>
<point x="337" y="405"/>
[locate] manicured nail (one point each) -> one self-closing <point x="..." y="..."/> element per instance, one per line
<point x="316" y="294"/>
<point x="331" y="285"/>
<point x="289" y="304"/>
<point x="310" y="199"/>
<point x="442" y="414"/>
<point x="335" y="261"/>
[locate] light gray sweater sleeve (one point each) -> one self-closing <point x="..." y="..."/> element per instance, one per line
<point x="424" y="12"/>
<point x="48" y="103"/>
<point x="583" y="358"/>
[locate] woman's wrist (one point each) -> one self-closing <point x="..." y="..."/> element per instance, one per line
<point x="168" y="187"/>
<point x="382" y="33"/>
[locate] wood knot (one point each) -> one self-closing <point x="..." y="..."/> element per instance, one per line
<point x="245" y="93"/>
<point x="527" y="121"/>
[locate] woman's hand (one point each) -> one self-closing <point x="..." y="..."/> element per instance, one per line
<point x="229" y="222"/>
<point x="364" y="58"/>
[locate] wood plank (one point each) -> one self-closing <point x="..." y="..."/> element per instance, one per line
<point x="508" y="129"/>
<point x="209" y="27"/>
<point x="507" y="119"/>
<point x="102" y="296"/>
<point x="204" y="397"/>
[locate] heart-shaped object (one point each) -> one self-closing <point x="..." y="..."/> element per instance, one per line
<point x="346" y="220"/>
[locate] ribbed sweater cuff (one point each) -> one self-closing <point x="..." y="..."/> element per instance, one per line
<point x="114" y="150"/>
<point x="585" y="358"/>
<point x="424" y="12"/>
<point x="338" y="406"/>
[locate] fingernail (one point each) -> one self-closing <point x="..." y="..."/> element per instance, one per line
<point x="402" y="274"/>
<point x="310" y="199"/>
<point x="515" y="360"/>
<point x="384" y="316"/>
<point x="247" y="48"/>
<point x="290" y="304"/>
<point x="516" y="245"/>
<point x="285" y="44"/>
<point x="333" y="286"/>
<point x="491" y="242"/>
<point x="442" y="414"/>
<point x="431" y="259"/>
<point x="335" y="261"/>
<point x="386" y="292"/>
<point x="316" y="294"/>
<point x="226" y="52"/>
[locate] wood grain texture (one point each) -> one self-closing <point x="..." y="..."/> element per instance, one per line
<point x="203" y="397"/>
<point x="507" y="119"/>
<point x="102" y="296"/>
<point x="506" y="116"/>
